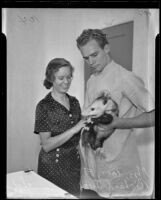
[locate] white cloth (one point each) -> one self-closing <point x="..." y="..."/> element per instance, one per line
<point x="119" y="170"/>
<point x="31" y="185"/>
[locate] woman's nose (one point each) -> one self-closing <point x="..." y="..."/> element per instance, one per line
<point x="67" y="80"/>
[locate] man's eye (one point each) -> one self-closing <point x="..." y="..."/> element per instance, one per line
<point x="94" y="55"/>
<point x="92" y="109"/>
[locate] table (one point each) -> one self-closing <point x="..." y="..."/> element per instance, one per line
<point x="29" y="184"/>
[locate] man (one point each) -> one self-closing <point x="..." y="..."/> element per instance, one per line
<point x="116" y="170"/>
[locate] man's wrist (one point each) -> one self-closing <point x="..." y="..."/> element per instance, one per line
<point x="115" y="123"/>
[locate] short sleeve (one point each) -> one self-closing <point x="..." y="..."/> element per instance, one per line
<point x="135" y="90"/>
<point x="78" y="108"/>
<point x="41" y="119"/>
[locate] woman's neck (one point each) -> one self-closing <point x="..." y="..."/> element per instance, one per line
<point x="58" y="95"/>
<point x="61" y="98"/>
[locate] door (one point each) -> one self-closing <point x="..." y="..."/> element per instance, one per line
<point x="120" y="39"/>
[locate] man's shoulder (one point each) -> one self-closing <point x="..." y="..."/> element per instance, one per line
<point x="120" y="71"/>
<point x="127" y="76"/>
<point x="120" y="68"/>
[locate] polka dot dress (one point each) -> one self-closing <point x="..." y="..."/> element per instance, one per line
<point x="61" y="165"/>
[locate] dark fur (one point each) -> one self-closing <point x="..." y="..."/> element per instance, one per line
<point x="90" y="136"/>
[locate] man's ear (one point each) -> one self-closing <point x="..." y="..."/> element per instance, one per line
<point x="107" y="48"/>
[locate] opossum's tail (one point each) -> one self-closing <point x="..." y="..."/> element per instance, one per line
<point x="87" y="158"/>
<point x="81" y="147"/>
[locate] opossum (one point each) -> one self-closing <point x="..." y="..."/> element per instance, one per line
<point x="101" y="111"/>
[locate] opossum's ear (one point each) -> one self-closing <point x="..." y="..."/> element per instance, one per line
<point x="105" y="100"/>
<point x="104" y="96"/>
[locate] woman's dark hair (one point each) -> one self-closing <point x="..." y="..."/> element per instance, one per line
<point x="53" y="66"/>
<point x="92" y="34"/>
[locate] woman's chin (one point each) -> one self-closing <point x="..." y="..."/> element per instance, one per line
<point x="64" y="90"/>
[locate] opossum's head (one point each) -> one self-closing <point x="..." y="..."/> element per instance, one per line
<point x="102" y="104"/>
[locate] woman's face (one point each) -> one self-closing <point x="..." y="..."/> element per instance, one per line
<point x="62" y="81"/>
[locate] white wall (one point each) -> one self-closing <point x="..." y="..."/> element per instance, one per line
<point x="30" y="46"/>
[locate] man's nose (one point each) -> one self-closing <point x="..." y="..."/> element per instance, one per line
<point x="91" y="61"/>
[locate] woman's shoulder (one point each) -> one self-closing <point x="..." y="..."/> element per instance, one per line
<point x="44" y="102"/>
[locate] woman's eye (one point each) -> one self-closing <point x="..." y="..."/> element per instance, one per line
<point x="62" y="78"/>
<point x="92" y="109"/>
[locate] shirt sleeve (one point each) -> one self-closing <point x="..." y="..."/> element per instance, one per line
<point x="41" y="119"/>
<point x="137" y="93"/>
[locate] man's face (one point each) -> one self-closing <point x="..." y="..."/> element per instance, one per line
<point x="95" y="56"/>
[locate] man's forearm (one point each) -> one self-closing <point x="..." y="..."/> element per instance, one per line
<point x="146" y="119"/>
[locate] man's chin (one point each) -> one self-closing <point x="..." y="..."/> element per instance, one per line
<point x="96" y="71"/>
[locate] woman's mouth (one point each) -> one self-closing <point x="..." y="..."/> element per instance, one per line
<point x="65" y="88"/>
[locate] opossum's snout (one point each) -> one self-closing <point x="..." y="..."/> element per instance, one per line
<point x="95" y="110"/>
<point x="101" y="106"/>
<point x="89" y="112"/>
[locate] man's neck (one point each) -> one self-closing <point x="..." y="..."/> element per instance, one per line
<point x="109" y="60"/>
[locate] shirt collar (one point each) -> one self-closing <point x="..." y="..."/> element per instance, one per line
<point x="106" y="69"/>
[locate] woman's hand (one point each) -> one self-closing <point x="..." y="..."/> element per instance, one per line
<point x="81" y="124"/>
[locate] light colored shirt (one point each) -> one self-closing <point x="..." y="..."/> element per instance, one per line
<point x="116" y="169"/>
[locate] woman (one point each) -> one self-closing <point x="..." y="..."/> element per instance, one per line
<point x="58" y="122"/>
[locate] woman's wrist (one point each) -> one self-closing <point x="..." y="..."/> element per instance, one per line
<point x="72" y="131"/>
